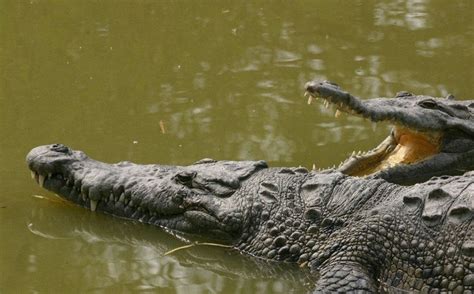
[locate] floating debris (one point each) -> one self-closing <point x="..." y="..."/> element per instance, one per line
<point x="162" y="127"/>
<point x="196" y="244"/>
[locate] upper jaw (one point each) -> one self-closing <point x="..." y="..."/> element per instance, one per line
<point x="421" y="113"/>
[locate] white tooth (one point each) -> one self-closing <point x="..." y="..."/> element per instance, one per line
<point x="337" y="114"/>
<point x="310" y="100"/>
<point x="326" y="103"/>
<point x="314" y="166"/>
<point x="111" y="197"/>
<point x="122" y="197"/>
<point x="353" y="153"/>
<point x="306" y="93"/>
<point x="33" y="175"/>
<point x="93" y="205"/>
<point x="41" y="180"/>
<point x="374" y="126"/>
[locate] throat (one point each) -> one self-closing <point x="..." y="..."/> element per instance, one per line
<point x="403" y="147"/>
<point x="411" y="148"/>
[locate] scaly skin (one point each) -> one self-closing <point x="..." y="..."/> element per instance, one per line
<point x="354" y="234"/>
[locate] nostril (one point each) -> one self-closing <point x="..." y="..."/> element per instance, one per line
<point x="59" y="148"/>
<point x="310" y="86"/>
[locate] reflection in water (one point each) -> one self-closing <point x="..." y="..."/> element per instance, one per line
<point x="113" y="254"/>
<point x="411" y="14"/>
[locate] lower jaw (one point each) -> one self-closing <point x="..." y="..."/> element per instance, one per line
<point x="115" y="206"/>
<point x="403" y="147"/>
<point x="109" y="205"/>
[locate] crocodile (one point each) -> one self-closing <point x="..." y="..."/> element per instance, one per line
<point x="430" y="137"/>
<point x="356" y="231"/>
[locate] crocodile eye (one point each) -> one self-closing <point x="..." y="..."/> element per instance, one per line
<point x="185" y="178"/>
<point x="60" y="148"/>
<point x="428" y="103"/>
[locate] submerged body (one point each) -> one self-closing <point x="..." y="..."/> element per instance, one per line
<point x="356" y="228"/>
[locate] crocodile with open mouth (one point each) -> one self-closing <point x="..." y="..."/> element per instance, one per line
<point x="430" y="137"/>
<point x="355" y="228"/>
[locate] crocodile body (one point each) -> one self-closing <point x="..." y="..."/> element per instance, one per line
<point x="354" y="233"/>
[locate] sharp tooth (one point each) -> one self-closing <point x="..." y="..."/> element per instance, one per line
<point x="93" y="205"/>
<point x="374" y="126"/>
<point x="33" y="174"/>
<point x="306" y="93"/>
<point x="41" y="180"/>
<point x="353" y="153"/>
<point x="122" y="197"/>
<point x="326" y="103"/>
<point x="310" y="100"/>
<point x="314" y="166"/>
<point x="337" y="114"/>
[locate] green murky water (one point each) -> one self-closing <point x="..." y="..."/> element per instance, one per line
<point x="225" y="80"/>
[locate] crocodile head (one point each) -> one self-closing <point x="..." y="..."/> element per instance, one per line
<point x="198" y="199"/>
<point x="430" y="136"/>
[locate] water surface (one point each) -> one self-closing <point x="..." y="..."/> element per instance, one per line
<point x="225" y="80"/>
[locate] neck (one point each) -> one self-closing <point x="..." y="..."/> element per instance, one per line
<point x="315" y="206"/>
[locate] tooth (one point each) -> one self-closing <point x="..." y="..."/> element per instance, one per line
<point x="353" y="153"/>
<point x="337" y="114"/>
<point x="33" y="174"/>
<point x="93" y="205"/>
<point x="326" y="103"/>
<point x="306" y="93"/>
<point x="374" y="126"/>
<point x="83" y="196"/>
<point x="310" y="100"/>
<point x="122" y="197"/>
<point x="41" y="180"/>
<point x="314" y="166"/>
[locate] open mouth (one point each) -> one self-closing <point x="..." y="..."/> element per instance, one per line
<point x="405" y="145"/>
